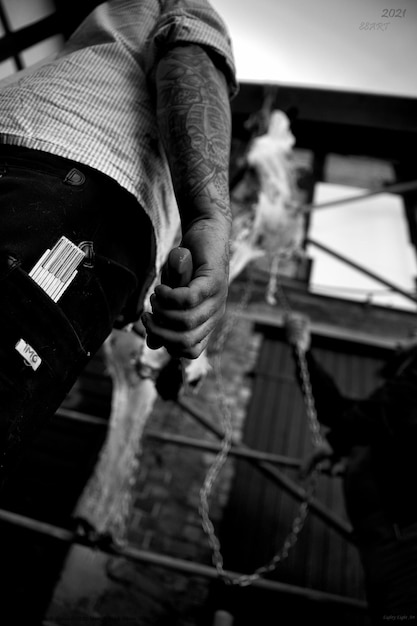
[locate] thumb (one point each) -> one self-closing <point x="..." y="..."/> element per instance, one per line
<point x="178" y="270"/>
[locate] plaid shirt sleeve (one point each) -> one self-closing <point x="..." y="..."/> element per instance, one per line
<point x="194" y="22"/>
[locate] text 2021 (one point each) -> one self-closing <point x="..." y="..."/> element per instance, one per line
<point x="393" y="12"/>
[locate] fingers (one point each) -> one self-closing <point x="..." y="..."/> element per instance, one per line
<point x="188" y="344"/>
<point x="186" y="318"/>
<point x="182" y="319"/>
<point x="185" y="298"/>
<point x="191" y="298"/>
<point x="180" y="299"/>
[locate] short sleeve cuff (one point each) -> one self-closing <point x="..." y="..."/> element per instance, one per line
<point x="208" y="31"/>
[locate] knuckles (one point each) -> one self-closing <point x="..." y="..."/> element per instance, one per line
<point x="193" y="352"/>
<point x="192" y="299"/>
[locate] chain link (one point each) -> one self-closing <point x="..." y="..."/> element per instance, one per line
<point x="313" y="422"/>
<point x="214" y="471"/>
<point x="274" y="290"/>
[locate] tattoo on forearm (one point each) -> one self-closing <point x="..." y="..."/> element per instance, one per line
<point x="194" y="115"/>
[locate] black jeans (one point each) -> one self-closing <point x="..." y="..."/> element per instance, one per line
<point x="43" y="197"/>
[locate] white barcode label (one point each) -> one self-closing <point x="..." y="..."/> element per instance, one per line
<point x="30" y="355"/>
<point x="57" y="268"/>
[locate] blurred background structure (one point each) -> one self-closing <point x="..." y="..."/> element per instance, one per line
<point x="348" y="88"/>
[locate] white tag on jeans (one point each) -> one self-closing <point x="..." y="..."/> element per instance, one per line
<point x="30" y="355"/>
<point x="57" y="268"/>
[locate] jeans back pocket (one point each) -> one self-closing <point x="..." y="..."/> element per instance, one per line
<point x="40" y="353"/>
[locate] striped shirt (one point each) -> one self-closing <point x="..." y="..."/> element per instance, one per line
<point x="92" y="103"/>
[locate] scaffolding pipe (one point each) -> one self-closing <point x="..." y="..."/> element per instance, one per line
<point x="8" y="31"/>
<point x="276" y="475"/>
<point x="246" y="453"/>
<point x="191" y="442"/>
<point x="264" y="466"/>
<point x="362" y="269"/>
<point x="395" y="188"/>
<point x="169" y="562"/>
<point x="77" y="416"/>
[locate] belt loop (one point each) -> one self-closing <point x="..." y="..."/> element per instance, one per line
<point x="88" y="248"/>
<point x="75" y="178"/>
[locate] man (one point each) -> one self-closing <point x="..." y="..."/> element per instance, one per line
<point x="377" y="438"/>
<point x="113" y="145"/>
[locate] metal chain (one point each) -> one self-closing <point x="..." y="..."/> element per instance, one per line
<point x="213" y="472"/>
<point x="274" y="289"/>
<point x="313" y="422"/>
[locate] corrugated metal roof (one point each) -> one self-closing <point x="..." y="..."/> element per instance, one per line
<point x="260" y="513"/>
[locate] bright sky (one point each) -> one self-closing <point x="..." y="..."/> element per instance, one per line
<point x="325" y="43"/>
<point x="331" y="44"/>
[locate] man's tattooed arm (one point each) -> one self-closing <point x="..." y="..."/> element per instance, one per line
<point x="195" y="124"/>
<point x="195" y="127"/>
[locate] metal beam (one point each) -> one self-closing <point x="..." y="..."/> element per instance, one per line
<point x="172" y="563"/>
<point x="190" y="442"/>
<point x="400" y="188"/>
<point x="362" y="269"/>
<point x="77" y="416"/>
<point x="13" y="43"/>
<point x="246" y="453"/>
<point x="6" y="26"/>
<point x="338" y="524"/>
<point x="335" y="108"/>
